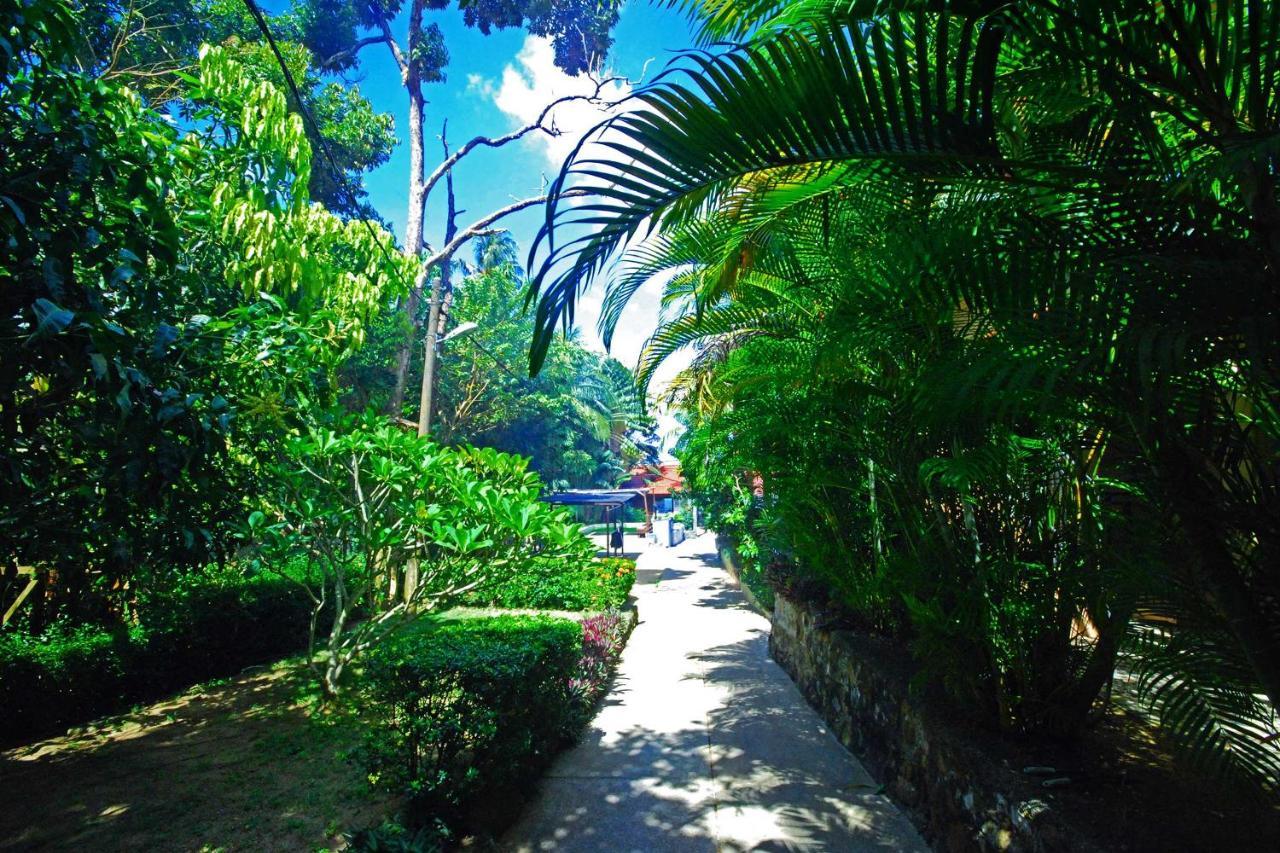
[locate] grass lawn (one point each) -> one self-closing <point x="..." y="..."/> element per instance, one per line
<point x="631" y="528"/>
<point x="237" y="764"/>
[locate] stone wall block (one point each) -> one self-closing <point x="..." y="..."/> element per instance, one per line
<point x="960" y="796"/>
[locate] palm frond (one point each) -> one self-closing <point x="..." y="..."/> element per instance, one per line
<point x="712" y="120"/>
<point x="1194" y="680"/>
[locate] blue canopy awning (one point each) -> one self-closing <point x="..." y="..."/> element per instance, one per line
<point x="597" y="497"/>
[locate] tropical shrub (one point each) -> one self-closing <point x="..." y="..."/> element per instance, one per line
<point x="557" y="583"/>
<point x="391" y="836"/>
<point x="208" y="627"/>
<point x="172" y="302"/>
<point x="618" y="575"/>
<point x="603" y="636"/>
<point x="375" y="521"/>
<point x="462" y="714"/>
<point x="62" y="678"/>
<point x="204" y="626"/>
<point x="995" y="343"/>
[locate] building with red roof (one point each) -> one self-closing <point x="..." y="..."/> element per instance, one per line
<point x="659" y="481"/>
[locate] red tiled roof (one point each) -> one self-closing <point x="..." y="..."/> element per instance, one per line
<point x="661" y="483"/>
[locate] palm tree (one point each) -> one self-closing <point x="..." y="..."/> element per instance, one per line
<point x="494" y="250"/>
<point x="614" y="409"/>
<point x="1040" y="239"/>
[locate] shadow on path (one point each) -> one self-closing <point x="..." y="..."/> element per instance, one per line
<point x="704" y="743"/>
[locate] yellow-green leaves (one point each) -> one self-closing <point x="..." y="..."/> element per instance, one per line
<point x="283" y="244"/>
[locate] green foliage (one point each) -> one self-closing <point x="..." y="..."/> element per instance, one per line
<point x="150" y="45"/>
<point x="1189" y="678"/>
<point x="200" y="628"/>
<point x="603" y="636"/>
<point x="393" y="837"/>
<point x="984" y="305"/>
<point x="61" y="678"/>
<point x="172" y="303"/>
<point x="357" y="137"/>
<point x="557" y="583"/>
<point x="620" y="574"/>
<point x="753" y="573"/>
<point x="983" y="557"/>
<point x="581" y="421"/>
<point x="579" y="29"/>
<point x="461" y="714"/>
<point x="371" y="518"/>
<point x="83" y="219"/>
<point x="284" y="244"/>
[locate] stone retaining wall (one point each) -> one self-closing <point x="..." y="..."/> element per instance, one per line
<point x="965" y="792"/>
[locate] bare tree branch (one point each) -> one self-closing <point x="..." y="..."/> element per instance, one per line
<point x="136" y="25"/>
<point x="361" y="44"/>
<point x="487" y="232"/>
<point x="481" y="227"/>
<point x="394" y="46"/>
<point x="539" y="125"/>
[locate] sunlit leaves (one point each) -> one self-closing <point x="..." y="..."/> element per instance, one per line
<point x="286" y="245"/>
<point x="175" y="303"/>
<point x="372" y="489"/>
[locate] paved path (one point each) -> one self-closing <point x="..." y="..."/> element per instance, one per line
<point x="704" y="743"/>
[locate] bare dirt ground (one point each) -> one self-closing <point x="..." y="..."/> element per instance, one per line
<point x="238" y="764"/>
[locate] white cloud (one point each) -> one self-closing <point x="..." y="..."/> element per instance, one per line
<point x="526" y="87"/>
<point x="534" y="81"/>
<point x="478" y="84"/>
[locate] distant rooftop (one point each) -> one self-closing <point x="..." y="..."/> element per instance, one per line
<point x="659" y="480"/>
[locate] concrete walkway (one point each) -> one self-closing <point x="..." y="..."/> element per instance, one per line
<point x="704" y="743"/>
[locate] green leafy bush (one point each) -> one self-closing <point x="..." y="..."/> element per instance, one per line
<point x="172" y="304"/>
<point x="927" y="380"/>
<point x="549" y="583"/>
<point x="61" y="678"/>
<point x="462" y="714"/>
<point x="390" y="836"/>
<point x="207" y="627"/>
<point x="370" y="518"/>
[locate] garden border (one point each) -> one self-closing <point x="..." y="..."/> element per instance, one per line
<point x="954" y="786"/>
<point x="729" y="559"/>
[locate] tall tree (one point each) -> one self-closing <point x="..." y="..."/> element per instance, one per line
<point x="580" y="33"/>
<point x="149" y="44"/>
<point x="163" y="325"/>
<point x="580" y="421"/>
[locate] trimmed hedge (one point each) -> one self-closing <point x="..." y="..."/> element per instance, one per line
<point x="206" y="629"/>
<point x="463" y="714"/>
<point x="552" y="584"/>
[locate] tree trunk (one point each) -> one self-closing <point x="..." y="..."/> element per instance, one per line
<point x="414" y="219"/>
<point x="429" y="359"/>
<point x="443" y="284"/>
<point x="395" y="404"/>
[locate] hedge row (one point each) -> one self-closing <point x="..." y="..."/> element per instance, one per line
<point x="550" y="584"/>
<point x="461" y="715"/>
<point x="212" y="627"/>
<point x="205" y="629"/>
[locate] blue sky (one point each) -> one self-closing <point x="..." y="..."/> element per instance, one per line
<point x="494" y="84"/>
<point x="645" y="36"/>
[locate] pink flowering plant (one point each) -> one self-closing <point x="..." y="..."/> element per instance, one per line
<point x="603" y="636"/>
